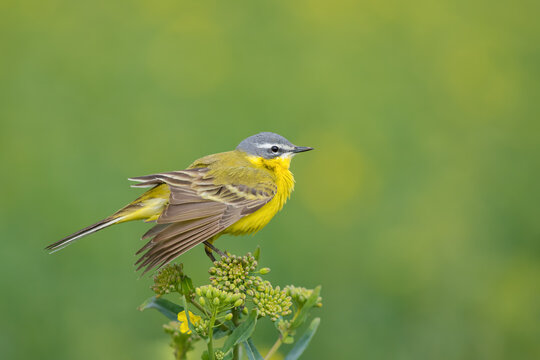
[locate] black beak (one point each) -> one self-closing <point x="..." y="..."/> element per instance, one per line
<point x="299" y="149"/>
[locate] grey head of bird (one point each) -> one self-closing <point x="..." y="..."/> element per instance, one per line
<point x="270" y="145"/>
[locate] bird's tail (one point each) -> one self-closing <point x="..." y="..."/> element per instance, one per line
<point x="60" y="244"/>
<point x="147" y="207"/>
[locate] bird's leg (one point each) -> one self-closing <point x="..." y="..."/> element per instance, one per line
<point x="209" y="253"/>
<point x="208" y="248"/>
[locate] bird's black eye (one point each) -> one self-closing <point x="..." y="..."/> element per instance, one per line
<point x="274" y="149"/>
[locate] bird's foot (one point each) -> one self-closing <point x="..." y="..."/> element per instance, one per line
<point x="208" y="248"/>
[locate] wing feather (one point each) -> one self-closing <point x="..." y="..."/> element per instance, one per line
<point x="165" y="254"/>
<point x="169" y="253"/>
<point x="155" y="230"/>
<point x="161" y="233"/>
<point x="184" y="212"/>
<point x="202" y="203"/>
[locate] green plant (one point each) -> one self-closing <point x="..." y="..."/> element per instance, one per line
<point x="229" y="307"/>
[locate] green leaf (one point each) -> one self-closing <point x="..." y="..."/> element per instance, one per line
<point x="251" y="350"/>
<point x="242" y="332"/>
<point x="166" y="307"/>
<point x="187" y="286"/>
<point x="219" y="333"/>
<point x="303" y="342"/>
<point x="304" y="311"/>
<point x="257" y="253"/>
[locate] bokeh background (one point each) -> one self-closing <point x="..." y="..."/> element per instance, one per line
<point x="418" y="211"/>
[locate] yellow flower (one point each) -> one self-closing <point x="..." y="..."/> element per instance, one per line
<point x="184" y="327"/>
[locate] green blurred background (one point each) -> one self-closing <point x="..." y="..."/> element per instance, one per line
<point x="418" y="211"/>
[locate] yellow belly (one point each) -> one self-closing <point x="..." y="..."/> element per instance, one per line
<point x="260" y="218"/>
<point x="256" y="221"/>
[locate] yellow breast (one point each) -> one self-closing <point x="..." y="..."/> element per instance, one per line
<point x="285" y="184"/>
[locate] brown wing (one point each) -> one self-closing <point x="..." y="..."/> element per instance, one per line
<point x="202" y="203"/>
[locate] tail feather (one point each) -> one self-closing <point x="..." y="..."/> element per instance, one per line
<point x="146" y="207"/>
<point x="86" y="231"/>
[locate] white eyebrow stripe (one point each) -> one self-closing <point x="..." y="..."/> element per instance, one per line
<point x="269" y="145"/>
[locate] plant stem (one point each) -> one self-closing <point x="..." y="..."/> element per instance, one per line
<point x="274" y="348"/>
<point x="181" y="355"/>
<point x="197" y="305"/>
<point x="236" y="321"/>
<point x="210" y="340"/>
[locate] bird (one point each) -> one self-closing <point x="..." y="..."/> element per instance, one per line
<point x="235" y="192"/>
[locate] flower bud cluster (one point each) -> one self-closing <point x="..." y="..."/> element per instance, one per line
<point x="271" y="302"/>
<point x="283" y="325"/>
<point x="236" y="289"/>
<point x="168" y="280"/>
<point x="214" y="298"/>
<point x="300" y="295"/>
<point x="201" y="327"/>
<point x="233" y="274"/>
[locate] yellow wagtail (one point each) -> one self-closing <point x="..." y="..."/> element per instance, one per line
<point x="235" y="192"/>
